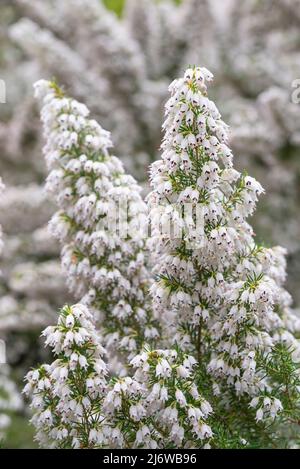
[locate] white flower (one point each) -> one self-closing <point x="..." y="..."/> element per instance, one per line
<point x="259" y="414"/>
<point x="163" y="369"/>
<point x="70" y="321"/>
<point x="180" y="398"/>
<point x="83" y="361"/>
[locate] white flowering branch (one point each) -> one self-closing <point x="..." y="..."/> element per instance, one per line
<point x="100" y="222"/>
<point x="220" y="290"/>
<point x="66" y="395"/>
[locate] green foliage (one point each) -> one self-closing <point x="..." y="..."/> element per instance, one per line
<point x="118" y="5"/>
<point x="20" y="434"/>
<point x="115" y="5"/>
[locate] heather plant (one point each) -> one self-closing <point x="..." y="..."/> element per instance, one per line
<point x="76" y="404"/>
<point x="120" y="66"/>
<point x="105" y="261"/>
<point x="67" y="394"/>
<point x="224" y="371"/>
<point x="220" y="290"/>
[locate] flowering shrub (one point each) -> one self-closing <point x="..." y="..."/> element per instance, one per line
<point x="221" y="292"/>
<point x="67" y="394"/>
<point x="221" y="289"/>
<point x="105" y="260"/>
<point x="226" y="374"/>
<point x="77" y="406"/>
<point x="120" y="68"/>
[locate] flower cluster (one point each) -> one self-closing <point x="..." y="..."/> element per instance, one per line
<point x="76" y="406"/>
<point x="221" y="290"/>
<point x="163" y="407"/>
<point x="67" y="394"/>
<point x="100" y="222"/>
<point x="231" y="366"/>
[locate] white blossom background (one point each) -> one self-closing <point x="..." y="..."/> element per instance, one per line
<point x="121" y="66"/>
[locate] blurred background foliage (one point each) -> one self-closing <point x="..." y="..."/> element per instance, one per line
<point x="253" y="49"/>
